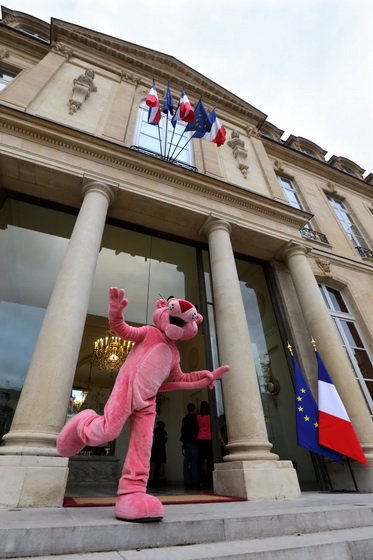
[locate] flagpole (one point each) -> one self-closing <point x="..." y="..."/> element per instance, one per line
<point x="186" y="143"/>
<point x="172" y="155"/>
<point x="169" y="147"/>
<point x="160" y="140"/>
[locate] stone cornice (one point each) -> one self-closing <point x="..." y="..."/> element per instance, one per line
<point x="89" y="147"/>
<point x="321" y="169"/>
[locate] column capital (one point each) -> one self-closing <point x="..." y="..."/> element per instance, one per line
<point x="216" y="222"/>
<point x="292" y="248"/>
<point x="107" y="188"/>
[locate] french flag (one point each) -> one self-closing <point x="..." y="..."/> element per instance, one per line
<point x="335" y="428"/>
<point x="152" y="101"/>
<point x="217" y="132"/>
<point x="184" y="111"/>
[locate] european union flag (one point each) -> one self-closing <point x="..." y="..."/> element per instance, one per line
<point x="201" y="122"/>
<point x="307" y="418"/>
<point x="168" y="103"/>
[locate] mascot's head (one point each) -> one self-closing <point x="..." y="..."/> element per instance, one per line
<point x="177" y="318"/>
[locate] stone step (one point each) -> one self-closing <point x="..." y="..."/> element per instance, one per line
<point x="344" y="544"/>
<point x="56" y="531"/>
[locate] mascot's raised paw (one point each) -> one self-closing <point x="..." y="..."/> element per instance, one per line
<point x="117" y="301"/>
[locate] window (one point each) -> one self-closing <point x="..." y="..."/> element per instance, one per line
<point x="347" y="222"/>
<point x="6" y="76"/>
<point x="292" y="195"/>
<point x="164" y="140"/>
<point x="361" y="361"/>
<point x="290" y="192"/>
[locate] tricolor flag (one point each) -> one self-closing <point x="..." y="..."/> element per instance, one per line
<point x="335" y="428"/>
<point x="217" y="132"/>
<point x="307" y="419"/>
<point x="184" y="111"/>
<point x="168" y="103"/>
<point x="152" y="101"/>
<point x="201" y="122"/>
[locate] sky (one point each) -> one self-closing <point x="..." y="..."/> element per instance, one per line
<point x="306" y="64"/>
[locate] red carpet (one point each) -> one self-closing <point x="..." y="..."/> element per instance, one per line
<point x="166" y="500"/>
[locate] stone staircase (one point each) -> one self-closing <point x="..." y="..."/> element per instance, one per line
<point x="329" y="526"/>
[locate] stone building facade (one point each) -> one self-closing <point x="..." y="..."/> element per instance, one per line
<point x="271" y="240"/>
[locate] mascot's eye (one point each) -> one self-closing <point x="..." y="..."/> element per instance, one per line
<point x="177" y="321"/>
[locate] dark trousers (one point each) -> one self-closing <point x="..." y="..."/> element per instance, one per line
<point x="205" y="462"/>
<point x="190" y="466"/>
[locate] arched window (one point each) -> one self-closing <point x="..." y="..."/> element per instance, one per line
<point x="163" y="140"/>
<point x="352" y="340"/>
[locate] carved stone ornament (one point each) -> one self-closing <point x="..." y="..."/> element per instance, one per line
<point x="324" y="265"/>
<point x="83" y="86"/>
<point x="239" y="151"/>
<point x="279" y="166"/>
<point x="9" y="19"/>
<point x="332" y="188"/>
<point x="62" y="49"/>
<point x="126" y="76"/>
<point x="4" y="53"/>
<point x="252" y="131"/>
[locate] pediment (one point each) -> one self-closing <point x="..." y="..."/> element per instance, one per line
<point x="146" y="65"/>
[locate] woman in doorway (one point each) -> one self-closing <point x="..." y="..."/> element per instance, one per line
<point x="204" y="442"/>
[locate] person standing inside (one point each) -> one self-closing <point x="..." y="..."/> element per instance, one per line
<point x="205" y="460"/>
<point x="158" y="453"/>
<point x="189" y="433"/>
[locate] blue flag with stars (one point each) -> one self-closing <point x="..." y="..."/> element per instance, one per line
<point x="168" y="103"/>
<point x="201" y="122"/>
<point x="307" y="418"/>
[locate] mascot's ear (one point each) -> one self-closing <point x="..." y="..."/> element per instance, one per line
<point x="161" y="303"/>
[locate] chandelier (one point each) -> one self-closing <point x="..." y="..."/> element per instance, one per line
<point x="110" y="352"/>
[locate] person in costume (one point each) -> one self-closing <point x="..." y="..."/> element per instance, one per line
<point x="152" y="365"/>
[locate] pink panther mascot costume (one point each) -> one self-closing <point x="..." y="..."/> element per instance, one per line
<point x="153" y="359"/>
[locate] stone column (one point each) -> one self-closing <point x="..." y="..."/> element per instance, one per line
<point x="250" y="470"/>
<point x="31" y="472"/>
<point x="333" y="354"/>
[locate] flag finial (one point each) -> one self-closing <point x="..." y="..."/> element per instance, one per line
<point x="290" y="348"/>
<point x="314" y="344"/>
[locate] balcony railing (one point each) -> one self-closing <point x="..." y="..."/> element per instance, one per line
<point x="164" y="158"/>
<point x="312" y="234"/>
<point x="366" y="253"/>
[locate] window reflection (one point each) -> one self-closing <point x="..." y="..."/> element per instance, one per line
<point x="33" y="242"/>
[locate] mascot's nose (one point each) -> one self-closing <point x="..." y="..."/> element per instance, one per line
<point x="185" y="305"/>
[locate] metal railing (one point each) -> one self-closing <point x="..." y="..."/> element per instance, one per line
<point x="366" y="253"/>
<point x="163" y="158"/>
<point x="315" y="235"/>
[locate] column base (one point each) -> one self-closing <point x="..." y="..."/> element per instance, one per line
<point x="32" y="481"/>
<point x="257" y="480"/>
<point x="343" y="481"/>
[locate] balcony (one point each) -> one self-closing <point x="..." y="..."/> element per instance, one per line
<point x="366" y="253"/>
<point x="164" y="158"/>
<point x="314" y="235"/>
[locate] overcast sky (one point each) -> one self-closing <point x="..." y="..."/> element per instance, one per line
<point x="307" y="64"/>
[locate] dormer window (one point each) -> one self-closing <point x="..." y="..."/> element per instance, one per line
<point x="6" y="76"/>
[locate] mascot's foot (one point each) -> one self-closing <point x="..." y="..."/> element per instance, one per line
<point x="68" y="441"/>
<point x="139" y="507"/>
